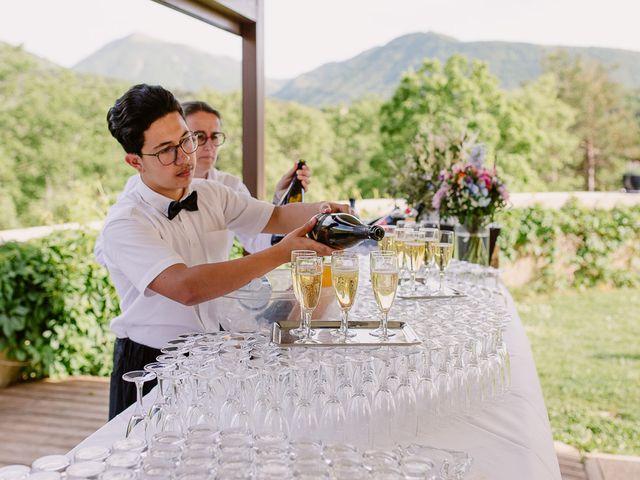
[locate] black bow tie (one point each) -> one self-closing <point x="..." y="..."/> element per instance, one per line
<point x="190" y="203"/>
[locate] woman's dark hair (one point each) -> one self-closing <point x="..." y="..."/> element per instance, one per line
<point x="199" y="106"/>
<point x="136" y="110"/>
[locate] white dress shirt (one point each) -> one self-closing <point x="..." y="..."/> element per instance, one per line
<point x="251" y="243"/>
<point x="139" y="242"/>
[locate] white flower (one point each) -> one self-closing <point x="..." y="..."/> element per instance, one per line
<point x="483" y="202"/>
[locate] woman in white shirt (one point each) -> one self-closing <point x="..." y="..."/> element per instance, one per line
<point x="161" y="239"/>
<point x="206" y="123"/>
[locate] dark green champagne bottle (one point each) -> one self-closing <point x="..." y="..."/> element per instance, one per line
<point x="293" y="194"/>
<point x="341" y="230"/>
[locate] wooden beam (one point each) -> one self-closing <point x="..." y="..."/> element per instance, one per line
<point x="206" y="12"/>
<point x="253" y="103"/>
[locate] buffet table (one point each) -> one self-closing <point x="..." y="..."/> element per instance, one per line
<point x="509" y="439"/>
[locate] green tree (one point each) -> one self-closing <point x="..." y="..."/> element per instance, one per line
<point x="460" y="94"/>
<point x="294" y="132"/>
<point x="356" y="129"/>
<point x="536" y="148"/>
<point x="53" y="131"/>
<point x="525" y="132"/>
<point x="609" y="135"/>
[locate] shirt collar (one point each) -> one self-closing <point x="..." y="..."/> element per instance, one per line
<point x="156" y="200"/>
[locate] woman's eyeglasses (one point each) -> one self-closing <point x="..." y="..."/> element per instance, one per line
<point x="217" y="138"/>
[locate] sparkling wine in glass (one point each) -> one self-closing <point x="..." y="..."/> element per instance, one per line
<point x="388" y="242"/>
<point x="344" y="277"/>
<point x="431" y="235"/>
<point x="442" y="253"/>
<point x="384" y="282"/>
<point x="399" y="247"/>
<point x="294" y="282"/>
<point x="309" y="279"/>
<point x="414" y="247"/>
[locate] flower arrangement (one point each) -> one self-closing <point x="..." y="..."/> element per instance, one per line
<point x="416" y="175"/>
<point x="470" y="192"/>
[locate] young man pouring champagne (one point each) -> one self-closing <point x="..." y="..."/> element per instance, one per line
<point x="161" y="238"/>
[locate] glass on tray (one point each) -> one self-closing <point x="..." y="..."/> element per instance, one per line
<point x="384" y="282"/>
<point x="308" y="278"/>
<point x="294" y="255"/>
<point x="345" y="268"/>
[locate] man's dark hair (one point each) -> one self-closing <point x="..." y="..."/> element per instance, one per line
<point x="136" y="110"/>
<point x="196" y="106"/>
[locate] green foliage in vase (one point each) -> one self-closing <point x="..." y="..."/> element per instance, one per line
<point x="55" y="306"/>
<point x="416" y="176"/>
<point x="470" y="192"/>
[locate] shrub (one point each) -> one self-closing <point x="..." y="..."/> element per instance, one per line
<point x="55" y="306"/>
<point x="574" y="246"/>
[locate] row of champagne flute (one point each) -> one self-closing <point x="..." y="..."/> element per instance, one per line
<point x="418" y="250"/>
<point x="306" y="273"/>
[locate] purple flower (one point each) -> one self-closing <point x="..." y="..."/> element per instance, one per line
<point x="437" y="198"/>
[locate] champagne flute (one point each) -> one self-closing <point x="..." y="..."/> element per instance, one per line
<point x="309" y="281"/>
<point x="344" y="276"/>
<point x="399" y="247"/>
<point x="443" y="251"/>
<point x="388" y="242"/>
<point x="296" y="291"/>
<point x="384" y="281"/>
<point x="414" y="248"/>
<point x="431" y="236"/>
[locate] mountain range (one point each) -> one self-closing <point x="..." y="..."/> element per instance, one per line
<point x="139" y="58"/>
<point x="376" y="71"/>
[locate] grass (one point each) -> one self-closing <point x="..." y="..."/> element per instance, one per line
<point x="586" y="346"/>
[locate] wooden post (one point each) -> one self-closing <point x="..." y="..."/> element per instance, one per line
<point x="253" y="104"/>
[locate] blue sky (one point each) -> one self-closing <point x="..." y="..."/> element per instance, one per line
<point x="303" y="34"/>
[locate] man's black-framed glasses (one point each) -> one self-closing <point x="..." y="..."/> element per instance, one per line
<point x="217" y="138"/>
<point x="169" y="155"/>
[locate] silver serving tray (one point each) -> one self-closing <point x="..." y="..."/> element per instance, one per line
<point x="404" y="334"/>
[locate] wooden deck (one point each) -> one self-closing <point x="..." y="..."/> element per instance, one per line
<point x="53" y="416"/>
<point x="50" y="416"/>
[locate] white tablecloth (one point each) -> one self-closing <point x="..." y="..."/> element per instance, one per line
<point x="510" y="440"/>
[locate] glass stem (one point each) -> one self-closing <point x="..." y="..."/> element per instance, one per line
<point x="413" y="281"/>
<point x="385" y="321"/>
<point x="307" y="323"/>
<point x="344" y="321"/>
<point x="139" y="398"/>
<point x="441" y="281"/>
